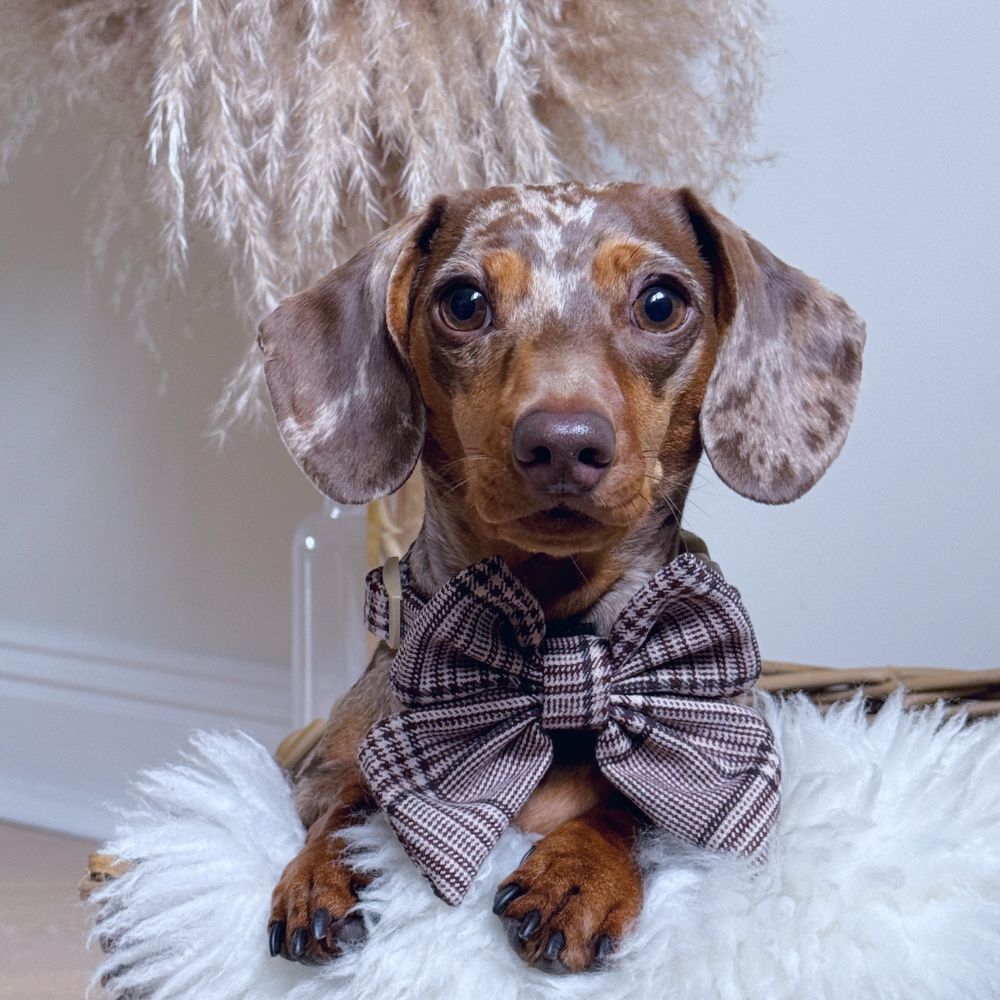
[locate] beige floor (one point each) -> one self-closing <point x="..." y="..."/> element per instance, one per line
<point x="43" y="928"/>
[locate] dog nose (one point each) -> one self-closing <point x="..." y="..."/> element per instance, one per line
<point x="563" y="452"/>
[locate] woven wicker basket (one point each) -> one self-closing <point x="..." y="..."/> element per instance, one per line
<point x="975" y="693"/>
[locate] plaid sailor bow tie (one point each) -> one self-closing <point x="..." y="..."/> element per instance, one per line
<point x="482" y="682"/>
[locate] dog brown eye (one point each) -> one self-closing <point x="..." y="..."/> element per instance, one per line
<point x="659" y="309"/>
<point x="465" y="308"/>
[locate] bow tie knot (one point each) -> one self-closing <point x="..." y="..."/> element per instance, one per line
<point x="576" y="682"/>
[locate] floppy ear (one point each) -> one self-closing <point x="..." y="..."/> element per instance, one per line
<point x="781" y="397"/>
<point x="347" y="402"/>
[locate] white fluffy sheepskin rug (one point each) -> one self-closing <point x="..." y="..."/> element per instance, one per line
<point x="883" y="881"/>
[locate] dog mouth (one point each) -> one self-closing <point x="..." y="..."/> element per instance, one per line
<point x="562" y="513"/>
<point x="560" y="520"/>
<point x="559" y="530"/>
<point x="555" y="523"/>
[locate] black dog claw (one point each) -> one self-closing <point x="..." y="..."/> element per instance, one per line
<point x="603" y="947"/>
<point x="320" y="922"/>
<point x="555" y="945"/>
<point x="276" y="936"/>
<point x="531" y="921"/>
<point x="297" y="948"/>
<point x="505" y="896"/>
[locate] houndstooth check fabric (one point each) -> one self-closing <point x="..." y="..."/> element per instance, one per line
<point x="482" y="684"/>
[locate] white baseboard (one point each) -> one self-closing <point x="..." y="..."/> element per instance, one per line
<point x="81" y="714"/>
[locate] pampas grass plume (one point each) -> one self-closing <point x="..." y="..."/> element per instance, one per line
<point x="292" y="130"/>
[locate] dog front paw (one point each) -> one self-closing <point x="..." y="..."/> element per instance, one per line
<point x="312" y="907"/>
<point x="572" y="899"/>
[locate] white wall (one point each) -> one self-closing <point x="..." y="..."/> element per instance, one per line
<point x="144" y="579"/>
<point x="117" y="515"/>
<point x="142" y="575"/>
<point x="885" y="117"/>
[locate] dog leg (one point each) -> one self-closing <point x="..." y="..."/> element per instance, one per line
<point x="575" y="894"/>
<point x="312" y="905"/>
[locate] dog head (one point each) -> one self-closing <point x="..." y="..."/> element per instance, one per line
<point x="559" y="356"/>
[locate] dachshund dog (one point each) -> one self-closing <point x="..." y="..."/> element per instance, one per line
<point x="558" y="357"/>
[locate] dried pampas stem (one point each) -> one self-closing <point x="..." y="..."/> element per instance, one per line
<point x="291" y="130"/>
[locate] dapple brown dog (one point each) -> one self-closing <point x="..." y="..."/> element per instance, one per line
<point x="558" y="357"/>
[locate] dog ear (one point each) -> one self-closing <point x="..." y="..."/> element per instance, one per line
<point x="781" y="397"/>
<point x="347" y="402"/>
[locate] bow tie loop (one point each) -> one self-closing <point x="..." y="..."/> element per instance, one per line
<point x="685" y="632"/>
<point x="481" y="632"/>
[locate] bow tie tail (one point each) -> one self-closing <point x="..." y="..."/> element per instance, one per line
<point x="710" y="775"/>
<point x="451" y="779"/>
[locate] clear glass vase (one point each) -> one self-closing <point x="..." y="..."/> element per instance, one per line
<point x="329" y="641"/>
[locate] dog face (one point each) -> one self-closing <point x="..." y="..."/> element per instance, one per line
<point x="560" y="355"/>
<point x="562" y="343"/>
